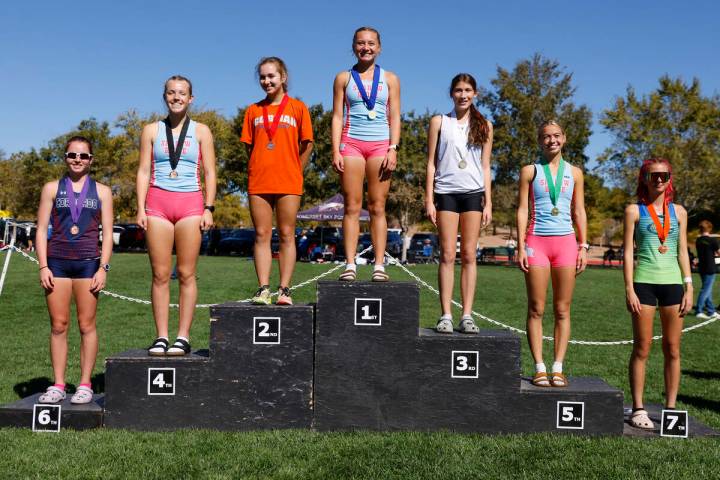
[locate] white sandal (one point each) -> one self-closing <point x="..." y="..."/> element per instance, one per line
<point x="53" y="394"/>
<point x="641" y="419"/>
<point x="82" y="395"/>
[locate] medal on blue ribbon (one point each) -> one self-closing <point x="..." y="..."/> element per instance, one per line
<point x="368" y="101"/>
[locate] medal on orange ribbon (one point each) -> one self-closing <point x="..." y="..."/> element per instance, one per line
<point x="270" y="129"/>
<point x="663" y="229"/>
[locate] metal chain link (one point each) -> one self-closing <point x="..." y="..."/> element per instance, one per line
<point x="409" y="273"/>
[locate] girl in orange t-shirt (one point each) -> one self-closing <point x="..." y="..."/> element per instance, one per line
<point x="277" y="132"/>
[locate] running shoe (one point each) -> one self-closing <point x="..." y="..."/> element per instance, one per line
<point x="284" y="297"/>
<point x="262" y="296"/>
<point x="703" y="316"/>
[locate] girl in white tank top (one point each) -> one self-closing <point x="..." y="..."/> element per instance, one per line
<point x="458" y="193"/>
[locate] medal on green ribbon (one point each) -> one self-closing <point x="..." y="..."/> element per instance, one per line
<point x="554" y="185"/>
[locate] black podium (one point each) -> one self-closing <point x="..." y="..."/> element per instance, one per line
<point x="257" y="374"/>
<point x="375" y="369"/>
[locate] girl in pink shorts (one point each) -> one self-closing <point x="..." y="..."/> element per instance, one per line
<point x="365" y="140"/>
<point x="551" y="209"/>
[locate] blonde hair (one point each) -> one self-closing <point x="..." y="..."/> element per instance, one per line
<point x="548" y="123"/>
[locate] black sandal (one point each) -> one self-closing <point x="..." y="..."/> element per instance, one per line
<point x="179" y="348"/>
<point x="159" y="347"/>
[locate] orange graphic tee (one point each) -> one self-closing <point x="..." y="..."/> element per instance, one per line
<point x="276" y="171"/>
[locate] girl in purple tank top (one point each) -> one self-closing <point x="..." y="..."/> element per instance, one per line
<point x="71" y="265"/>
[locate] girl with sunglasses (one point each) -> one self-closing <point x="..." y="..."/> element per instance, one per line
<point x="550" y="220"/>
<point x="71" y="263"/>
<point x="365" y="142"/>
<point x="277" y="133"/>
<point x="171" y="207"/>
<point x="656" y="228"/>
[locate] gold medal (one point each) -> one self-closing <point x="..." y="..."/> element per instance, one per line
<point x="462" y="164"/>
<point x="662" y="249"/>
<point x="173" y="174"/>
<point x="74" y="230"/>
<point x="555" y="212"/>
<point x="372" y="114"/>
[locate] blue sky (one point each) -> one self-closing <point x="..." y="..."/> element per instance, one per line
<point x="62" y="64"/>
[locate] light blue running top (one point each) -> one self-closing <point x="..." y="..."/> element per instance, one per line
<point x="188" y="168"/>
<point x="357" y="125"/>
<point x="542" y="222"/>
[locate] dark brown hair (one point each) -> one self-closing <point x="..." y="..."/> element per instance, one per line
<point x="705" y="226"/>
<point x="178" y="78"/>
<point x="282" y="68"/>
<point x="367" y="29"/>
<point x="79" y="138"/>
<point x="479" y="130"/>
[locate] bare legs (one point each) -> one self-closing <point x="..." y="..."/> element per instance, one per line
<point x="261" y="210"/>
<point x="563" y="281"/>
<point x="470" y="229"/>
<point x="186" y="236"/>
<point x="58" y="301"/>
<point x="671" y="322"/>
<point x="356" y="169"/>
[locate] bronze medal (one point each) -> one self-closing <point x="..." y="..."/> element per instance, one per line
<point x="555" y="212"/>
<point x="74" y="230"/>
<point x="662" y="249"/>
<point x="173" y="174"/>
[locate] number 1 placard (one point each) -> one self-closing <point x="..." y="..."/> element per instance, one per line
<point x="368" y="311"/>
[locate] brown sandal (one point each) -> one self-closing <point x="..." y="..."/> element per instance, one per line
<point x="558" y="380"/>
<point x="540" y="379"/>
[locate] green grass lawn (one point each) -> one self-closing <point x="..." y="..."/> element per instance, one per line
<point x="598" y="314"/>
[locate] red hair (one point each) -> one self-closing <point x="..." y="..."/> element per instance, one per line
<point x="642" y="190"/>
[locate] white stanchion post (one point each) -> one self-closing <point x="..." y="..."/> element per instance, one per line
<point x="7" y="257"/>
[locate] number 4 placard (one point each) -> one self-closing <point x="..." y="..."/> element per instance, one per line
<point x="161" y="381"/>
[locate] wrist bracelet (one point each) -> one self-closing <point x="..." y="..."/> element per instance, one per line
<point x="687" y="280"/>
<point x="39" y="269"/>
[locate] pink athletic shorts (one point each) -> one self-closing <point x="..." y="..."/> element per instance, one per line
<point x="352" y="147"/>
<point x="555" y="251"/>
<point x="173" y="206"/>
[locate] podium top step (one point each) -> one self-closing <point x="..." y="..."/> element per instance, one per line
<point x="141" y="355"/>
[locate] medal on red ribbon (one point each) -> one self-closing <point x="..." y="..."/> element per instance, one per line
<point x="368" y="101"/>
<point x="271" y="129"/>
<point x="663" y="229"/>
<point x="77" y="205"/>
<point x="175" y="152"/>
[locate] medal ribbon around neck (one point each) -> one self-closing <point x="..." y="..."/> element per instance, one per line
<point x="662" y="229"/>
<point x="554" y="185"/>
<point x="368" y="101"/>
<point x="271" y="129"/>
<point x="77" y="205"/>
<point x="172" y="150"/>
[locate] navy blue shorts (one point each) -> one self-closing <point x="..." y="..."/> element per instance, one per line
<point x="655" y="294"/>
<point x="64" y="268"/>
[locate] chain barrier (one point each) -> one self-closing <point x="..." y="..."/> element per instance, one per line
<point x="410" y="273"/>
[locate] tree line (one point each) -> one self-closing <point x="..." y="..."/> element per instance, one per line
<point x="675" y="121"/>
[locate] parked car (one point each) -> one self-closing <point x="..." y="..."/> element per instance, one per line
<point x="423" y="248"/>
<point x="315" y="241"/>
<point x="239" y="241"/>
<point x="132" y="237"/>
<point x="393" y="246"/>
<point x="117" y="231"/>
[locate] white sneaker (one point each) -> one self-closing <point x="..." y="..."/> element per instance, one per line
<point x="703" y="316"/>
<point x="715" y="315"/>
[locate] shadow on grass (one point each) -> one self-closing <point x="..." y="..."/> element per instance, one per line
<point x="697" y="374"/>
<point x="700" y="402"/>
<point x="40" y="384"/>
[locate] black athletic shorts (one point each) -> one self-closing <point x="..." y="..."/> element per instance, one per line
<point x="64" y="268"/>
<point x="460" y="202"/>
<point x="655" y="294"/>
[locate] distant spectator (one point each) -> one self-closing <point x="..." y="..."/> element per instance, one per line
<point x="609" y="256"/>
<point x="511" y="245"/>
<point x="707" y="249"/>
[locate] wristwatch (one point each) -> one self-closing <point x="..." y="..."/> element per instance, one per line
<point x="105" y="266"/>
<point x="394" y="146"/>
<point x="210" y="208"/>
<point x="586" y="246"/>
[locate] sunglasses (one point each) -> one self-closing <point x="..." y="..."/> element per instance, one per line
<point x="663" y="177"/>
<point x="81" y="156"/>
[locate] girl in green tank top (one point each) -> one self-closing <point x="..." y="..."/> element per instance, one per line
<point x="656" y="229"/>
